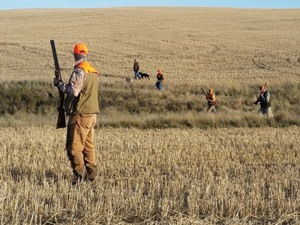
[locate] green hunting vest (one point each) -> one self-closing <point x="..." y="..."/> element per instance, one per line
<point x="87" y="101"/>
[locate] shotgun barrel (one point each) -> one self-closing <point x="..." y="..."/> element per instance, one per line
<point x="61" y="120"/>
<point x="204" y="92"/>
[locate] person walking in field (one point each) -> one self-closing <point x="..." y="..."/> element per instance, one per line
<point x="160" y="79"/>
<point x="211" y="101"/>
<point x="136" y="70"/>
<point x="264" y="99"/>
<point x="81" y="105"/>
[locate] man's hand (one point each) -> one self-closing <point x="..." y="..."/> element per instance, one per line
<point x="56" y="82"/>
<point x="57" y="74"/>
<point x="57" y="78"/>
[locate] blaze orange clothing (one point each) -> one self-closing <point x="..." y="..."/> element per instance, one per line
<point x="80" y="49"/>
<point x="88" y="68"/>
<point x="160" y="77"/>
<point x="211" y="98"/>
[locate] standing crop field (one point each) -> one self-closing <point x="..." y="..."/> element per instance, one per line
<point x="164" y="176"/>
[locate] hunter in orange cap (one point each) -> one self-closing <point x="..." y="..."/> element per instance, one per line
<point x="81" y="105"/>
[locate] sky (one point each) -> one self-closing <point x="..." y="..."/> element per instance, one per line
<point x="32" y="4"/>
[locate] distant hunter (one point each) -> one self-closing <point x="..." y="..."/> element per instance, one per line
<point x="211" y="100"/>
<point x="264" y="99"/>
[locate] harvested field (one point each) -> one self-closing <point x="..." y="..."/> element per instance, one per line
<point x="164" y="176"/>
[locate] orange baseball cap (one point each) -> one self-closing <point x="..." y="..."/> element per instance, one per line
<point x="80" y="49"/>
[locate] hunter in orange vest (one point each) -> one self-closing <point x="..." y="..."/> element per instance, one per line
<point x="211" y="101"/>
<point x="81" y="105"/>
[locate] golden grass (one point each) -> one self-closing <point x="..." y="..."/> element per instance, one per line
<point x="177" y="176"/>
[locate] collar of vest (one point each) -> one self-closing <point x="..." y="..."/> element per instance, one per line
<point x="88" y="68"/>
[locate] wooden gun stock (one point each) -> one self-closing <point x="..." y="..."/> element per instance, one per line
<point x="61" y="120"/>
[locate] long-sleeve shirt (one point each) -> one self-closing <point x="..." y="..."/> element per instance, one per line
<point x="136" y="66"/>
<point x="74" y="87"/>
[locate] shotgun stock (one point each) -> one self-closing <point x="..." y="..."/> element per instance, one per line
<point x="61" y="120"/>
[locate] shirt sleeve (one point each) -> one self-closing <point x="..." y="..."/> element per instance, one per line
<point x="74" y="87"/>
<point x="268" y="97"/>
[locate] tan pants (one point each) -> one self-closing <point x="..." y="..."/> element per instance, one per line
<point x="211" y="108"/>
<point x="80" y="145"/>
<point x="266" y="112"/>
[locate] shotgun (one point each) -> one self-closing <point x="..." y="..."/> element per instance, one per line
<point x="204" y="92"/>
<point x="61" y="120"/>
